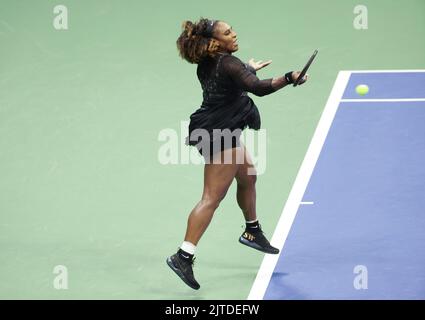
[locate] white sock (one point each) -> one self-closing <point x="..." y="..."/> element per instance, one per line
<point x="252" y="221"/>
<point x="188" y="247"/>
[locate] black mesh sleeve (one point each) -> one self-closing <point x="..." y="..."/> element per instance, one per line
<point x="244" y="78"/>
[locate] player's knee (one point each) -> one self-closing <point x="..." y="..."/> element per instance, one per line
<point x="212" y="201"/>
<point x="247" y="180"/>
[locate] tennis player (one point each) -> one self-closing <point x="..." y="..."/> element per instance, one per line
<point x="215" y="130"/>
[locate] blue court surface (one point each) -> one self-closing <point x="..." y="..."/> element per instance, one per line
<point x="354" y="224"/>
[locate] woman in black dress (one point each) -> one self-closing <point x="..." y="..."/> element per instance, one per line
<point x="215" y="129"/>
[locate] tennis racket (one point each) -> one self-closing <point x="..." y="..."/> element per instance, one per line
<point x="304" y="71"/>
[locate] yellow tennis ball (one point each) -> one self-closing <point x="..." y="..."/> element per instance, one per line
<point x="362" y="89"/>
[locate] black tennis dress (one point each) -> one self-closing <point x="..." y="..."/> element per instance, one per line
<point x="226" y="108"/>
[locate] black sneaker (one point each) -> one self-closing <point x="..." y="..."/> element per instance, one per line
<point x="257" y="240"/>
<point x="183" y="269"/>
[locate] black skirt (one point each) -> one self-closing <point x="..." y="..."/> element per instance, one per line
<point x="220" y="141"/>
<point x="211" y="131"/>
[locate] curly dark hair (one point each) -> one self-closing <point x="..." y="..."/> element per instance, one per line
<point x="196" y="41"/>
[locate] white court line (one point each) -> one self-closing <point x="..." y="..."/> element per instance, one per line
<point x="306" y="202"/>
<point x="383" y="100"/>
<point x="291" y="207"/>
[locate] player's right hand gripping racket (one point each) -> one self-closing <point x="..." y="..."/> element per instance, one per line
<point x="304" y="70"/>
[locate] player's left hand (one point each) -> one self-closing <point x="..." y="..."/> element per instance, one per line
<point x="259" y="64"/>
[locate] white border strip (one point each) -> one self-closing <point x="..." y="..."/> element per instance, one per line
<point x="291" y="207"/>
<point x="384" y="71"/>
<point x="383" y="100"/>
